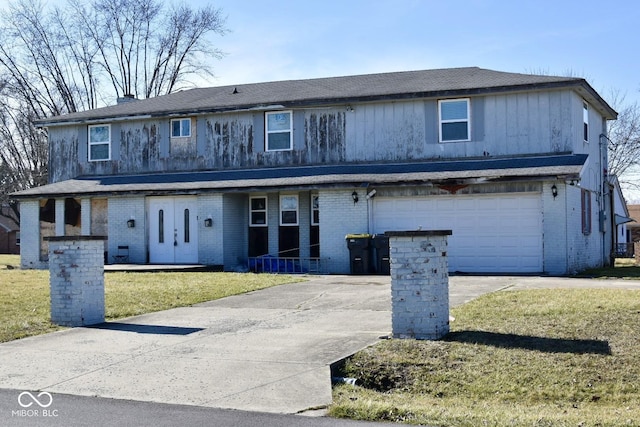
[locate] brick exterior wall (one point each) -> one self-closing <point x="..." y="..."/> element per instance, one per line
<point x="339" y="216"/>
<point x="566" y="249"/>
<point x="554" y="228"/>
<point x="76" y="278"/>
<point x="121" y="209"/>
<point x="30" y="235"/>
<point x="304" y="221"/>
<point x="85" y="213"/>
<point x="273" y="222"/>
<point x="235" y="231"/>
<point x="419" y="284"/>
<point x="210" y="239"/>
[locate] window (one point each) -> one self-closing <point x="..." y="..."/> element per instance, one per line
<point x="187" y="234"/>
<point x="258" y="211"/>
<point x="586" y="211"/>
<point x="180" y="128"/>
<point x="161" y="226"/>
<point x="585" y="119"/>
<point x="454" y="120"/>
<point x="279" y="131"/>
<point x="17" y="238"/>
<point x="315" y="210"/>
<point x="99" y="142"/>
<point x="289" y="210"/>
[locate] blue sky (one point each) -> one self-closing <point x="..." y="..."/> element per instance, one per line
<point x="290" y="39"/>
<point x="298" y="39"/>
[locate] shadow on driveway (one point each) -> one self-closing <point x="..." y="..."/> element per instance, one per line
<point x="145" y="329"/>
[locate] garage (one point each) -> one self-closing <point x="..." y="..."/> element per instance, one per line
<point x="491" y="233"/>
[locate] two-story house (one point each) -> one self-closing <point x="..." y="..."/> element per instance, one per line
<point x="514" y="164"/>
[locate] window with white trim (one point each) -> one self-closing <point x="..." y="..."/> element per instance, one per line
<point x="585" y="119"/>
<point x="258" y="211"/>
<point x="279" y="131"/>
<point x="289" y="209"/>
<point x="180" y="128"/>
<point x="454" y="120"/>
<point x="315" y="210"/>
<point x="99" y="142"/>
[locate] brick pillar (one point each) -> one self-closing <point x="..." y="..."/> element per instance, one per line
<point x="76" y="278"/>
<point x="419" y="284"/>
<point x="59" y="215"/>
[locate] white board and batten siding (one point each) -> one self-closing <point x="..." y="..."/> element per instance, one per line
<point x="491" y="233"/>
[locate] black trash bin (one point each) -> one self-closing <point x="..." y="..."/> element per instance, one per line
<point x="380" y="244"/>
<point x="358" y="245"/>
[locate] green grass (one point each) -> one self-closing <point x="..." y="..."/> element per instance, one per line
<point x="25" y="304"/>
<point x="625" y="268"/>
<point x="527" y="358"/>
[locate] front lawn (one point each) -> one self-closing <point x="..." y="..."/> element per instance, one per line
<point x="527" y="358"/>
<point x="25" y="304"/>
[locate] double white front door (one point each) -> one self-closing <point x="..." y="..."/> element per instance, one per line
<point x="173" y="230"/>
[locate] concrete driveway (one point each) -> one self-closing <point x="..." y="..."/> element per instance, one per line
<point x="268" y="350"/>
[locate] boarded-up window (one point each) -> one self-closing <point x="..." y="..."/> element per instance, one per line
<point x="586" y="211"/>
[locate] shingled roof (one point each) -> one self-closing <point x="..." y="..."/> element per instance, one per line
<point x="333" y="90"/>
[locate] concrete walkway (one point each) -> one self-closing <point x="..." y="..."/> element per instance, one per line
<point x="268" y="350"/>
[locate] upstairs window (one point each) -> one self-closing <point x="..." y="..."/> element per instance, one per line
<point x="180" y="128"/>
<point x="454" y="121"/>
<point x="585" y="119"/>
<point x="99" y="143"/>
<point x="279" y="131"/>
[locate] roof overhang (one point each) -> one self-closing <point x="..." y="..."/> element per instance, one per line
<point x="562" y="166"/>
<point x="623" y="219"/>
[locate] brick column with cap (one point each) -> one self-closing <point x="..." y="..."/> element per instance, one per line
<point x="419" y="283"/>
<point x="76" y="278"/>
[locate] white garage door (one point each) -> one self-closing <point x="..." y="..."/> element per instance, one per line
<point x="491" y="234"/>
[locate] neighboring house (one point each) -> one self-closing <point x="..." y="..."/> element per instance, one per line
<point x="513" y="164"/>
<point x="9" y="236"/>
<point x="622" y="237"/>
<point x="634" y="227"/>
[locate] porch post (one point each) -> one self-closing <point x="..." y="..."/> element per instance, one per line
<point x="85" y="217"/>
<point x="60" y="217"/>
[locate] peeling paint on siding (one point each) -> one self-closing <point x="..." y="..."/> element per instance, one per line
<point x="504" y="124"/>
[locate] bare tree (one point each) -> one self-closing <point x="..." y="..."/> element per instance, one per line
<point x="145" y="50"/>
<point x="624" y="139"/>
<point x="84" y="55"/>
